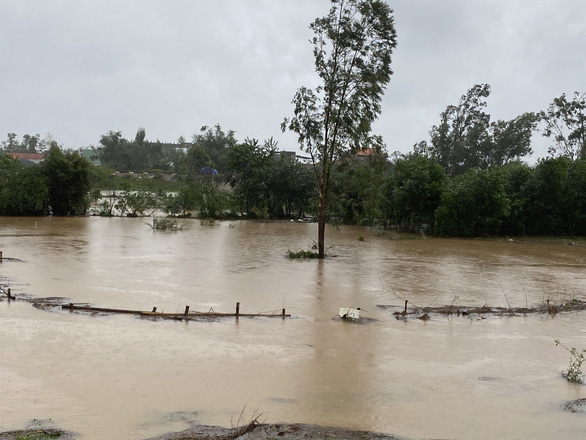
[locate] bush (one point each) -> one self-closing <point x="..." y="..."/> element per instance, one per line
<point x="577" y="358"/>
<point x="302" y="254"/>
<point x="165" y="224"/>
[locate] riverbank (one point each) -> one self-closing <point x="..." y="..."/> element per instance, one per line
<point x="252" y="431"/>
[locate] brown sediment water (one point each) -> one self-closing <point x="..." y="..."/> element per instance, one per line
<point x="121" y="377"/>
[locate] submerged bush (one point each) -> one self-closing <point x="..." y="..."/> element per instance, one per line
<point x="577" y="358"/>
<point x="165" y="224"/>
<point x="302" y="254"/>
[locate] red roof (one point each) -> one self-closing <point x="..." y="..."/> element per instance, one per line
<point x="366" y="152"/>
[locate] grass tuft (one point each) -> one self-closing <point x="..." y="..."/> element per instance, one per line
<point x="302" y="254"/>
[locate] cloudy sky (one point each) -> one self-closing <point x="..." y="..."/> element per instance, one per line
<point x="76" y="69"/>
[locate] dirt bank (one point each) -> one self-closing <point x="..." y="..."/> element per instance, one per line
<point x="36" y="434"/>
<point x="252" y="431"/>
<point x="261" y="431"/>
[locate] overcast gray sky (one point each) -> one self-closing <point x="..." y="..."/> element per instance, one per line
<point x="76" y="69"/>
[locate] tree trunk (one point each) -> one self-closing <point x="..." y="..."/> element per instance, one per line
<point x="321" y="225"/>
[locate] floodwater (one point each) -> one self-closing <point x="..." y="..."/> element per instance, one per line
<point x="121" y="377"/>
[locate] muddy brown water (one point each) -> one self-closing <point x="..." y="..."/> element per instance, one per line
<point x="120" y="377"/>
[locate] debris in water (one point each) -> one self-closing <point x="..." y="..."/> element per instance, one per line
<point x="349" y="313"/>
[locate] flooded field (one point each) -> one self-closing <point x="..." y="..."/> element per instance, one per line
<point x="121" y="377"/>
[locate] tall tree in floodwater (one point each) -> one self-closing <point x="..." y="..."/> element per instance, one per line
<point x="352" y="48"/>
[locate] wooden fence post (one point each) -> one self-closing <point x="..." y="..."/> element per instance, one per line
<point x="0" y="256"/>
<point x="154" y="309"/>
<point x="186" y="311"/>
<point x="237" y="309"/>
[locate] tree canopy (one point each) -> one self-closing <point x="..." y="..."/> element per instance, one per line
<point x="466" y="139"/>
<point x="29" y="144"/>
<point x="565" y="122"/>
<point x="137" y="155"/>
<point x="68" y="183"/>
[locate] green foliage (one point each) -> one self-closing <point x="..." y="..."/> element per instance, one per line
<point x="208" y="150"/>
<point x="509" y="140"/>
<point x="68" y="181"/>
<point x="214" y="143"/>
<point x="517" y="177"/>
<point x="29" y="144"/>
<point x="302" y="254"/>
<point x="11" y="143"/>
<point x="357" y="190"/>
<point x="23" y="190"/>
<point x="485" y="191"/>
<point x="193" y="162"/>
<point x="101" y="177"/>
<point x="180" y="203"/>
<point x="462" y="130"/>
<point x="547" y="197"/>
<point x="415" y="189"/>
<point x="114" y="150"/>
<point x="30" y="194"/>
<point x="165" y="224"/>
<point x="265" y="182"/>
<point x="140" y="182"/>
<point x="352" y="48"/>
<point x="60" y="184"/>
<point x="106" y="207"/>
<point x="466" y="139"/>
<point x="473" y="204"/>
<point x="135" y="203"/>
<point x="137" y="155"/>
<point x="248" y="167"/>
<point x="210" y="199"/>
<point x="575" y="198"/>
<point x="577" y="358"/>
<point x="290" y="187"/>
<point x="566" y="123"/>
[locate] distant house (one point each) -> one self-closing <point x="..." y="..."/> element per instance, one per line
<point x="168" y="147"/>
<point x="28" y="159"/>
<point x="305" y="160"/>
<point x="364" y="154"/>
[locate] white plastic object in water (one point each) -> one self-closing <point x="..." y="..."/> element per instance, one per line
<point x="349" y="313"/>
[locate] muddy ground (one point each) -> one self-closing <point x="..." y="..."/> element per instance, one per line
<point x="252" y="431"/>
<point x="258" y="431"/>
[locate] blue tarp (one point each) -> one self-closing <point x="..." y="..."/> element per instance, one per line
<point x="208" y="170"/>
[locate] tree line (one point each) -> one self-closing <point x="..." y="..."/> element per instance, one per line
<point x="467" y="181"/>
<point x="60" y="186"/>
